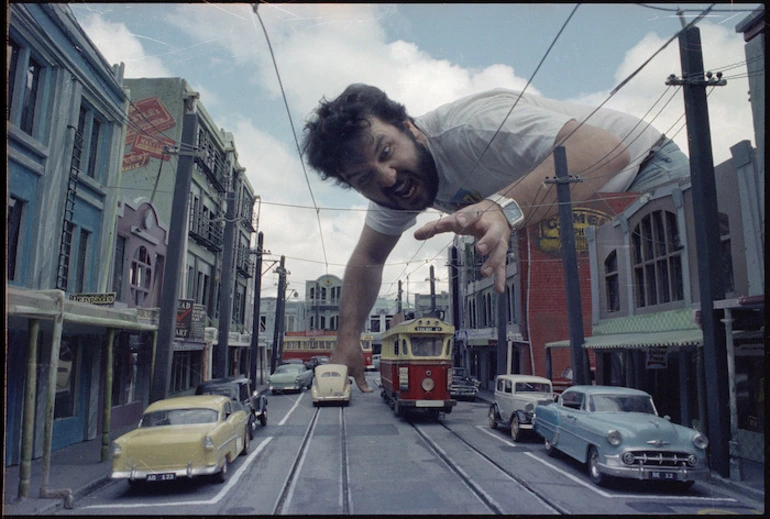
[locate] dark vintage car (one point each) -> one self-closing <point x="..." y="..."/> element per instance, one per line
<point x="463" y="386"/>
<point x="616" y="432"/>
<point x="239" y="390"/>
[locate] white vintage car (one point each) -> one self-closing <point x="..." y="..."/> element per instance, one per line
<point x="516" y="397"/>
<point x="331" y="384"/>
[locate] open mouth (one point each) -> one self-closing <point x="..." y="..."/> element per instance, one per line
<point x="404" y="189"/>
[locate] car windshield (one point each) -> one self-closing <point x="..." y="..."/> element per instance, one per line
<point x="331" y="374"/>
<point x="427" y="346"/>
<point x="622" y="403"/>
<point x="217" y="391"/>
<point x="288" y="368"/>
<point x="178" y="417"/>
<point x="532" y="387"/>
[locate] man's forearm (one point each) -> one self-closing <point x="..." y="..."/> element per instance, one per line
<point x="360" y="287"/>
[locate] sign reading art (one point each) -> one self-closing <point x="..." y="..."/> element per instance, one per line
<point x="548" y="232"/>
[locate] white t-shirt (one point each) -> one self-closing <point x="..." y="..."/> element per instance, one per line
<point x="458" y="133"/>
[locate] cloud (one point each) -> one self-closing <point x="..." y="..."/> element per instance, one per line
<point x="118" y="44"/>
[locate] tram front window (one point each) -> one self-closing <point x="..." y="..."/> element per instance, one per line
<point x="427" y="346"/>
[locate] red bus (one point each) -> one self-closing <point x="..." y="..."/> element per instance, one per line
<point x="311" y="343"/>
<point x="416" y="366"/>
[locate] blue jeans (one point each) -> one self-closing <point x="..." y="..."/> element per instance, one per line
<point x="667" y="164"/>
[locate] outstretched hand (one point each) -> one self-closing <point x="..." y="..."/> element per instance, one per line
<point x="484" y="221"/>
<point x="350" y="354"/>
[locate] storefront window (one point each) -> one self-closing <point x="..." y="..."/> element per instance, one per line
<point x="66" y="377"/>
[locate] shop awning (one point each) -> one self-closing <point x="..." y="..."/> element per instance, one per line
<point x="638" y="340"/>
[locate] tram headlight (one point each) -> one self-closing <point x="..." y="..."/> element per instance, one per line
<point x="427" y="384"/>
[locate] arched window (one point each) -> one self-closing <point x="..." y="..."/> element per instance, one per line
<point x="657" y="260"/>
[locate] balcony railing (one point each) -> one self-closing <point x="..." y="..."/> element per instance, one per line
<point x="205" y="230"/>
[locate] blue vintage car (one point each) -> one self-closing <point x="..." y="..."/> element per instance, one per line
<point x="617" y="432"/>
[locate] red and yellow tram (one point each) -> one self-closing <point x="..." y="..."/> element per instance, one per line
<point x="416" y="366"/>
<point x="310" y="343"/>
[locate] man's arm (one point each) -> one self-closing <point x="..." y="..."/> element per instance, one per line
<point x="360" y="287"/>
<point x="592" y="153"/>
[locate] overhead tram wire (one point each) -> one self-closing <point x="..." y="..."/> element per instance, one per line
<point x="255" y="8"/>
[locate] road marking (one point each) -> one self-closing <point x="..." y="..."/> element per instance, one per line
<point x="230" y="483"/>
<point x="594" y="488"/>
<point x="496" y="436"/>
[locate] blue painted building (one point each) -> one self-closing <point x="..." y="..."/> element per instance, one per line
<point x="67" y="112"/>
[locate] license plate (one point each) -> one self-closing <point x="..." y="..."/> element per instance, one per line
<point x="161" y="477"/>
<point x="666" y="476"/>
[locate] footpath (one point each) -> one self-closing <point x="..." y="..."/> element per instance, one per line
<point x="79" y="468"/>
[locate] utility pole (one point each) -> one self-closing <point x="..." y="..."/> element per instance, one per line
<point x="400" y="295"/>
<point x="226" y="286"/>
<point x="279" y="316"/>
<point x="502" y="335"/>
<point x="177" y="234"/>
<point x="432" y="291"/>
<point x="569" y="261"/>
<point x="254" y="347"/>
<point x="707" y="241"/>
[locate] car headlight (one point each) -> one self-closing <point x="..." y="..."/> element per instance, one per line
<point x="700" y="441"/>
<point x="116" y="450"/>
<point x="529" y="407"/>
<point x="208" y="443"/>
<point x="427" y="384"/>
<point x="613" y="437"/>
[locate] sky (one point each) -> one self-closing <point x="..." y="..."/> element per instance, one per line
<point x="422" y="55"/>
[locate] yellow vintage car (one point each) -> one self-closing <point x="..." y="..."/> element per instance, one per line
<point x="185" y="436"/>
<point x="331" y="384"/>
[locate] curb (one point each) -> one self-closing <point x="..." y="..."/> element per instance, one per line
<point x="754" y="493"/>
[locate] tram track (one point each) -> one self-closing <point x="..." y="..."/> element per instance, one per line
<point x="284" y="500"/>
<point x="494" y="507"/>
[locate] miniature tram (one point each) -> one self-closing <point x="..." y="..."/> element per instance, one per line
<point x="416" y="366"/>
<point x="312" y="343"/>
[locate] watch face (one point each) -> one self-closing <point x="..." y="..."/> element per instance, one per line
<point x="513" y="212"/>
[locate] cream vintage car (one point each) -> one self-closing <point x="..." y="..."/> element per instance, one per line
<point x="516" y="398"/>
<point x="331" y="384"/>
<point x="185" y="436"/>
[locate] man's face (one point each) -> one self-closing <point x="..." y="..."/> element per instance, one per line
<point x="394" y="168"/>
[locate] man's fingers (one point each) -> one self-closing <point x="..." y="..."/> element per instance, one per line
<point x="363" y="385"/>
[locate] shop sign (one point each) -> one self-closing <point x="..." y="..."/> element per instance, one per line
<point x="184" y="318"/>
<point x="549" y="236"/>
<point x="657" y="357"/>
<point x="103" y="299"/>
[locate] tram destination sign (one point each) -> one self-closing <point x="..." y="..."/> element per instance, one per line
<point x="427" y="329"/>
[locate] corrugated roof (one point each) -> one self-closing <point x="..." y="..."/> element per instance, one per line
<point x="638" y="340"/>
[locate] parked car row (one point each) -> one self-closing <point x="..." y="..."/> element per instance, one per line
<point x="615" y="431"/>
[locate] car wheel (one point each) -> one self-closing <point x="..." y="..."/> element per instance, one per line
<point x="593" y="467"/>
<point x="135" y="484"/>
<point x="263" y="418"/>
<point x="224" y="472"/>
<point x="492" y="421"/>
<point x="515" y="429"/>
<point x="274" y="391"/>
<point x="550" y="450"/>
<point x="246" y="443"/>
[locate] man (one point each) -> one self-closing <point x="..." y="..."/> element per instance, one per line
<point x="483" y="160"/>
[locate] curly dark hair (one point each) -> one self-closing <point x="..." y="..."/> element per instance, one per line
<point x="333" y="136"/>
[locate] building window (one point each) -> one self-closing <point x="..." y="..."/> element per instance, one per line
<point x="185" y="370"/>
<point x="728" y="277"/>
<point x="374" y="324"/>
<point x="92" y="133"/>
<point x="657" y="260"/>
<point x="611" y="282"/>
<point x="25" y="75"/>
<point x="66" y="379"/>
<point x="80" y="274"/>
<point x="15" y="209"/>
<point x="140" y="276"/>
<point x="119" y="262"/>
<point x="263" y="323"/>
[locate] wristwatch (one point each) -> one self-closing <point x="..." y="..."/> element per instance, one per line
<point x="510" y="208"/>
